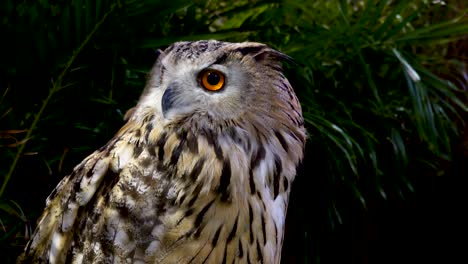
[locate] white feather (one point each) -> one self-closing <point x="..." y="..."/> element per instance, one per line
<point x="88" y="186"/>
<point x="69" y="216"/>
<point x="56" y="247"/>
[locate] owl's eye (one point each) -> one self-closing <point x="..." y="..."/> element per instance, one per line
<point x="212" y="80"/>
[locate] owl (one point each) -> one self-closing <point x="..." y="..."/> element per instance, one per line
<point x="200" y="173"/>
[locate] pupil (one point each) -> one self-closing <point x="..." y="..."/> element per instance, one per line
<point x="213" y="78"/>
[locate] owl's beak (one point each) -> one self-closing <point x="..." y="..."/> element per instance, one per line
<point x="168" y="99"/>
<point x="172" y="100"/>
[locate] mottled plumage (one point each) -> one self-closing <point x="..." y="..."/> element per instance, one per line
<point x="194" y="176"/>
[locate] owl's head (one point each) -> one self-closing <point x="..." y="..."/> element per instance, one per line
<point x="210" y="84"/>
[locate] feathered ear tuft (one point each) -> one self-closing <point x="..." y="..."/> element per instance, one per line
<point x="261" y="52"/>
<point x="280" y="56"/>
<point x="273" y="58"/>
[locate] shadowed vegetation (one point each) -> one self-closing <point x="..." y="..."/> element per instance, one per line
<point x="383" y="86"/>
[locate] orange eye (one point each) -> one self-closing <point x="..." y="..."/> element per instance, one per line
<point x="212" y="80"/>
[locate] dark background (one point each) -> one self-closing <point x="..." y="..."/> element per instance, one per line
<point x="383" y="177"/>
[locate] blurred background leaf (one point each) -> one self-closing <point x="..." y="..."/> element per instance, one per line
<point x="383" y="86"/>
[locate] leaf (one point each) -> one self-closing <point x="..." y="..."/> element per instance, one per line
<point x="15" y="211"/>
<point x="449" y="29"/>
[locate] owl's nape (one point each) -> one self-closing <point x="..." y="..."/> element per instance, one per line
<point x="200" y="173"/>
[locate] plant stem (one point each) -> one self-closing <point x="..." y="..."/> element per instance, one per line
<point x="55" y="87"/>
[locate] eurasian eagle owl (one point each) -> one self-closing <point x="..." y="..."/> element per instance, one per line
<point x="200" y="173"/>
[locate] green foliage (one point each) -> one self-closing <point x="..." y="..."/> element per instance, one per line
<point x="382" y="91"/>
